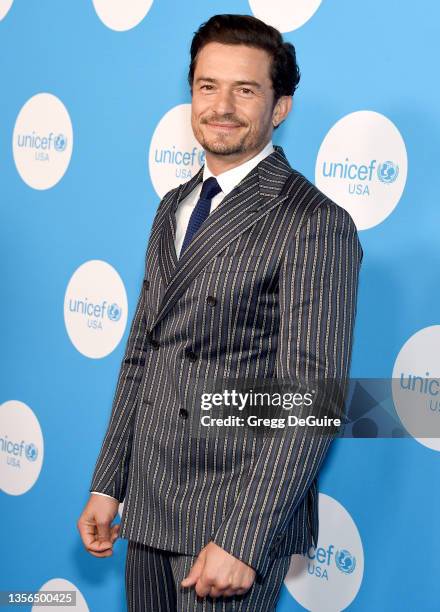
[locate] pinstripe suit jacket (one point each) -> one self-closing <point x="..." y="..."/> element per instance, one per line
<point x="267" y="288"/>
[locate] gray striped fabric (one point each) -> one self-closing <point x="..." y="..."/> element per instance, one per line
<point x="266" y="289"/>
<point x="153" y="577"/>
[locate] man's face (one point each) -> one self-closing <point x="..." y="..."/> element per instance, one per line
<point x="232" y="100"/>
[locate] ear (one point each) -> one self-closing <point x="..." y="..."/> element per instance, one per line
<point x="281" y="109"/>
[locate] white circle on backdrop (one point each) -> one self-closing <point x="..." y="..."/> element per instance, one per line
<point x="284" y="15"/>
<point x="61" y="584"/>
<point x="95" y="308"/>
<point x="416" y="388"/>
<point x="329" y="578"/>
<point x="175" y="155"/>
<point x="362" y="166"/>
<point x="121" y="16"/>
<point x="5" y="5"/>
<point x="42" y="141"/>
<point x="22" y="448"/>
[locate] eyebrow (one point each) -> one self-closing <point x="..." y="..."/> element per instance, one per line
<point x="251" y="83"/>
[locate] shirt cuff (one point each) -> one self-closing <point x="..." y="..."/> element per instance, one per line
<point x="104" y="494"/>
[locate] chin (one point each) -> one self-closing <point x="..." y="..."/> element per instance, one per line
<point x="223" y="148"/>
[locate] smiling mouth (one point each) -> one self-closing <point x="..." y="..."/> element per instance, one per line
<point x="223" y="126"/>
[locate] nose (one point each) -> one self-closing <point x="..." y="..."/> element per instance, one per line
<point x="223" y="102"/>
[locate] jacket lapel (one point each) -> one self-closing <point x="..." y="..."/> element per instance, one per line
<point x="251" y="199"/>
<point x="167" y="258"/>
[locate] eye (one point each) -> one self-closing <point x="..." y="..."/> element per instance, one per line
<point x="246" y="90"/>
<point x="207" y="86"/>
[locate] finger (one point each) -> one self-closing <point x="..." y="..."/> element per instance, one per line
<point x="234" y="591"/>
<point x="202" y="589"/>
<point x="99" y="547"/>
<point x="194" y="573"/>
<point x="219" y="588"/>
<point x="115" y="532"/>
<point x="238" y="586"/>
<point x="103" y="529"/>
<point x="107" y="553"/>
<point x="216" y="592"/>
<point x="87" y="531"/>
<point x="204" y="585"/>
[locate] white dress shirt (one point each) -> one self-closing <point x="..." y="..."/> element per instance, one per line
<point x="228" y="181"/>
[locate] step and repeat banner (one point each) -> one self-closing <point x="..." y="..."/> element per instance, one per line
<point x="94" y="130"/>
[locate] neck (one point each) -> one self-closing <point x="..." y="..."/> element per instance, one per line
<point x="221" y="163"/>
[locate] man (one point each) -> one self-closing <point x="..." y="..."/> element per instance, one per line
<point x="250" y="271"/>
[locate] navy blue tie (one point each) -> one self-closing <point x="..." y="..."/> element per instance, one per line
<point x="210" y="188"/>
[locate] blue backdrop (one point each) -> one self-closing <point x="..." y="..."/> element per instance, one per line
<point x="77" y="208"/>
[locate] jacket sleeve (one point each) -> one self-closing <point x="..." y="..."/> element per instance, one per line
<point x="111" y="470"/>
<point x="317" y="298"/>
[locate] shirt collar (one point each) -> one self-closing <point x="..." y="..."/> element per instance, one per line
<point x="229" y="180"/>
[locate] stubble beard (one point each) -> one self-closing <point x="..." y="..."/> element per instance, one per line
<point x="220" y="146"/>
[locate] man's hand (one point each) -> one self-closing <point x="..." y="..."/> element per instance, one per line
<point x="219" y="574"/>
<point x="94" y="525"/>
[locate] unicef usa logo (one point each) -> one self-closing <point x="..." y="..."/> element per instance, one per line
<point x="60" y="143"/>
<point x="114" y="312"/>
<point x="95" y="323"/>
<point x="21" y="447"/>
<point x="388" y="172"/>
<point x="416" y="386"/>
<point x="359" y="176"/>
<point x="345" y="561"/>
<point x="183" y="161"/>
<point x="42" y="144"/>
<point x="329" y="576"/>
<point x="15" y="451"/>
<point x="362" y="166"/>
<point x="94" y="313"/>
<point x="42" y="141"/>
<point x="320" y="561"/>
<point x="175" y="155"/>
<point x="31" y="452"/>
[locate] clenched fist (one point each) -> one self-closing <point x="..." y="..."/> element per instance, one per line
<point x="219" y="574"/>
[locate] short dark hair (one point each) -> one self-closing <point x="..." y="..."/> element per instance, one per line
<point x="248" y="30"/>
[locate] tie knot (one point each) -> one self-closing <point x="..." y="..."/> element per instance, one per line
<point x="210" y="188"/>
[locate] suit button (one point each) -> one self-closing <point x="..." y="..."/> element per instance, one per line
<point x="211" y="300"/>
<point x="276" y="543"/>
<point x="153" y="342"/>
<point x="183" y="413"/>
<point x="146" y="284"/>
<point x="191" y="355"/>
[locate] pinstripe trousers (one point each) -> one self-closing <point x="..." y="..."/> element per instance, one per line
<point x="153" y="576"/>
